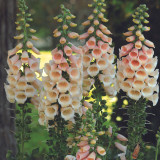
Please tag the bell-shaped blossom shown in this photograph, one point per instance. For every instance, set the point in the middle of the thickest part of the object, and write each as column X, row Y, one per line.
column 98, row 56
column 67, row 113
column 51, row 111
column 136, row 70
column 137, row 74
column 101, row 150
column 121, row 147
column 82, row 155
column 70, row 157
column 63, row 84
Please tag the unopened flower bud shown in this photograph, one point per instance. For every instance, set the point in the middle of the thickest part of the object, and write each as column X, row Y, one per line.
column 35, row 38
column 94, row 131
column 93, row 142
column 90, row 5
column 32, row 30
column 146, row 21
column 140, row 26
column 103, row 10
column 60, row 20
column 55, row 18
column 18, row 28
column 100, row 15
column 147, row 28
column 104, row 20
column 138, row 33
column 19, row 46
column 29, row 44
column 73, row 16
column 146, row 14
column 68, row 17
column 101, row 133
column 19, row 36
column 62, row 40
column 73, row 24
column 88, row 134
column 27, row 25
column 96, row 22
column 65, row 27
column 95, row 11
column 86, row 23
column 141, row 38
column 90, row 17
column 131, row 28
column 136, row 21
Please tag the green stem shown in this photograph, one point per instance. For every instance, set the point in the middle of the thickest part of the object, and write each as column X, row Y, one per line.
column 22, row 135
column 136, row 126
column 157, row 149
column 25, row 29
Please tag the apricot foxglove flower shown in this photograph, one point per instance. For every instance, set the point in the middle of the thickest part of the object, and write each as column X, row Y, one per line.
column 98, row 50
column 138, row 64
column 137, row 77
column 23, row 66
column 22, row 85
column 62, row 85
column 70, row 157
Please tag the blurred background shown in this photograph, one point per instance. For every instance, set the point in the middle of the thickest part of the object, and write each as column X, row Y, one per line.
column 119, row 15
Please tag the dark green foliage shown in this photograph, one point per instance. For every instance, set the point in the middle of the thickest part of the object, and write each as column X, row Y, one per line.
column 157, row 149
column 99, row 104
column 136, row 126
column 23, row 130
column 57, row 139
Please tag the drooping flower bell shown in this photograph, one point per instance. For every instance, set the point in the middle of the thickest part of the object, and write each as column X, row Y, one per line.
column 99, row 55
column 63, row 83
column 22, row 81
column 137, row 74
column 87, row 138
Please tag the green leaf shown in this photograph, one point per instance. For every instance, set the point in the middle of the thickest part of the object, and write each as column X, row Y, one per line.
column 35, row 151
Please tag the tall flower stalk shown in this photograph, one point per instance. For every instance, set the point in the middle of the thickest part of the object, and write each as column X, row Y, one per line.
column 22, row 84
column 90, row 143
column 98, row 61
column 62, row 93
column 95, row 139
column 138, row 78
column 158, row 145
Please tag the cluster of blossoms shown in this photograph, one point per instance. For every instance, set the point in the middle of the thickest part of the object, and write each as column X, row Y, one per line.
column 62, row 92
column 61, row 96
column 136, row 68
column 88, row 139
column 98, row 56
column 22, row 81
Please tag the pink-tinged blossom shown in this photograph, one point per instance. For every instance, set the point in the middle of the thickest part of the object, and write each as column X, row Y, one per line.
column 92, row 156
column 136, row 65
column 90, row 30
column 73, row 35
column 149, row 43
column 62, row 84
column 81, row 155
column 24, row 57
column 82, row 143
column 35, row 50
column 83, row 36
column 68, row 50
column 88, row 105
column 14, row 59
column 91, row 43
column 57, row 57
column 121, row 137
column 101, row 150
column 121, row 147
